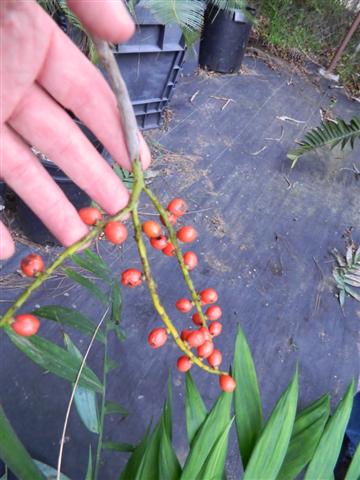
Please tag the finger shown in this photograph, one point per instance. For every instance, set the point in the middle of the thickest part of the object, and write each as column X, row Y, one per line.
column 77, row 85
column 24, row 174
column 108, row 19
column 43, row 123
column 7, row 246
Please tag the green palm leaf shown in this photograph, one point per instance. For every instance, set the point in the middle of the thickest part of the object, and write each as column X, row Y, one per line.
column 330, row 134
column 188, row 14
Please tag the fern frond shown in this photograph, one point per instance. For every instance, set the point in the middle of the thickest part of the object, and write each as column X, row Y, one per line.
column 327, row 134
column 347, row 273
column 228, row 4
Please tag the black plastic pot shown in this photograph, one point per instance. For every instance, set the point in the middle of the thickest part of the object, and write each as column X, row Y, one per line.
column 224, row 38
column 30, row 224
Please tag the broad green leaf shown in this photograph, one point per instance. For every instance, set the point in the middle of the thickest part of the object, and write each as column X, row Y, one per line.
column 195, row 410
column 327, row 452
column 169, row 466
column 207, row 435
column 215, row 463
column 69, row 317
column 94, row 267
column 118, row 447
column 353, row 472
column 116, row 302
column 54, row 359
column 167, row 411
column 49, row 472
column 115, row 408
column 308, row 428
column 89, row 470
column 14, row 454
column 134, row 461
column 270, row 450
column 247, row 402
column 88, row 284
column 96, row 260
column 85, row 399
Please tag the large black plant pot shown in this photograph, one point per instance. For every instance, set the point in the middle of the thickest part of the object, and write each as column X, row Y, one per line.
column 29, row 223
column 224, row 38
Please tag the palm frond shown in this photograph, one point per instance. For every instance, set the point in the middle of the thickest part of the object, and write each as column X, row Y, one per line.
column 188, row 14
column 329, row 133
column 347, row 273
column 229, row 4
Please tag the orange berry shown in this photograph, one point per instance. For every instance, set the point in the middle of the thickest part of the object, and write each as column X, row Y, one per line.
column 159, row 243
column 177, row 207
column 185, row 334
column 171, row 217
column 215, row 328
column 131, row 277
column 190, row 260
column 184, row 305
column 205, row 332
column 197, row 319
column 186, row 234
column 26, row 325
column 214, row 312
column 183, row 363
column 227, row 383
column 169, row 250
column 116, row 232
column 32, row 264
column 195, row 339
column 151, row 229
column 215, row 358
column 157, row 337
column 206, row 349
column 90, row 215
column 209, row 295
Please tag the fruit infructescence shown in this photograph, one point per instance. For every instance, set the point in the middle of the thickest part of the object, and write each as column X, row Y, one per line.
column 197, row 343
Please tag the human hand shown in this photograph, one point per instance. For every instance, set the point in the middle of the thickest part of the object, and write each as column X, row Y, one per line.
column 41, row 72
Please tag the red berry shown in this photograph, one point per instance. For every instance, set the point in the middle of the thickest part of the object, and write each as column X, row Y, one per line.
column 151, row 229
column 227, row 383
column 184, row 305
column 186, row 234
column 90, row 215
column 215, row 359
column 169, row 250
column 206, row 349
column 32, row 264
column 26, row 325
column 159, row 243
column 205, row 332
column 197, row 319
column 214, row 312
column 215, row 328
column 190, row 260
column 195, row 339
column 116, row 232
column 183, row 363
column 209, row 295
column 157, row 337
column 171, row 217
column 177, row 206
column 185, row 334
column 131, row 277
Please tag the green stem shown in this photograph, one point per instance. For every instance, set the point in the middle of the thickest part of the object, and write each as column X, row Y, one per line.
column 174, row 241
column 156, row 300
column 138, row 186
column 102, row 408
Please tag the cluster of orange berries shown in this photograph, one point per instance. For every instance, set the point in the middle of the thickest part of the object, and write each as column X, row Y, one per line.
column 116, row 232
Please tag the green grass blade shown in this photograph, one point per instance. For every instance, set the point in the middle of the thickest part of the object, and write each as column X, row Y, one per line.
column 327, row 452
column 353, row 472
column 195, row 410
column 133, row 464
column 215, row 463
column 116, row 302
column 308, row 428
column 169, row 466
column 85, row 399
column 54, row 359
column 14, row 454
column 247, row 402
column 270, row 450
column 207, row 435
column 89, row 469
column 69, row 317
column 118, row 447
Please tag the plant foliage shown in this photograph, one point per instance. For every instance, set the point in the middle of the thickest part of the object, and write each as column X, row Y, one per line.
column 329, row 133
column 347, row 273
